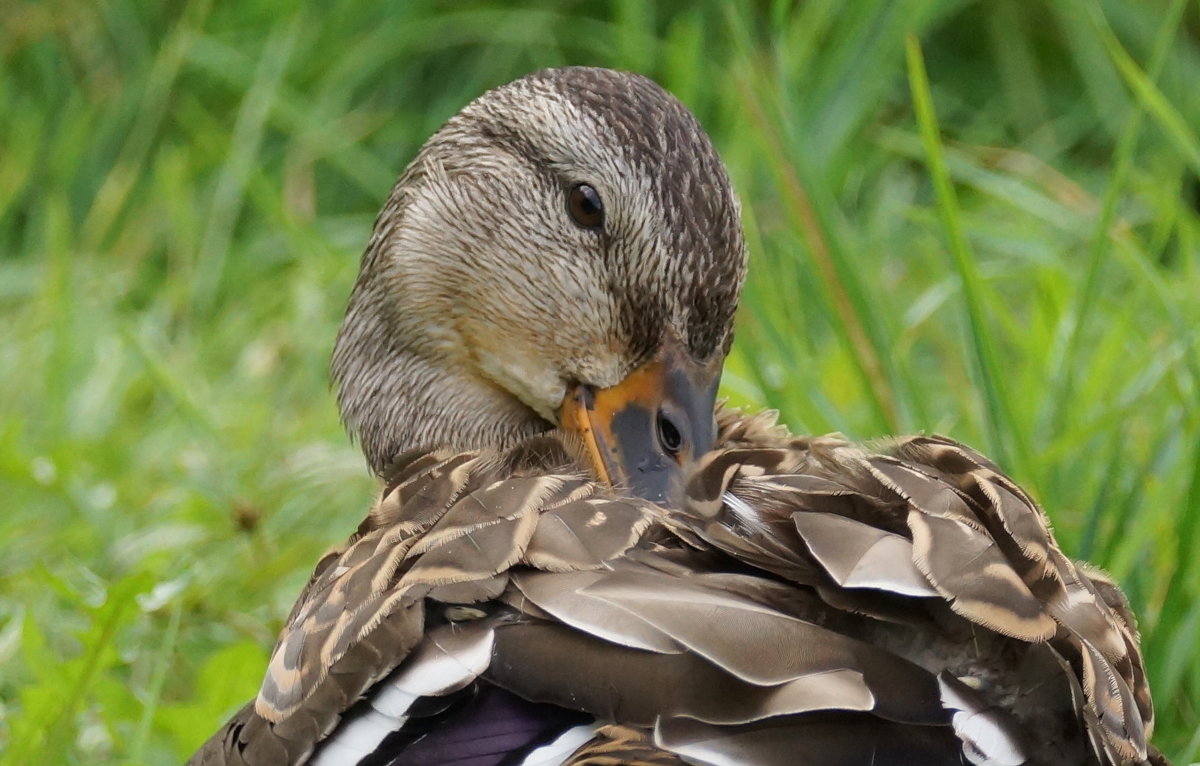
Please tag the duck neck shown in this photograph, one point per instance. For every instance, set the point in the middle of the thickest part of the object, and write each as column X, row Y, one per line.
column 398, row 392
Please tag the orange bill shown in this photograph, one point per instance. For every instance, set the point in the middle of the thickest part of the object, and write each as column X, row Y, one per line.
column 643, row 433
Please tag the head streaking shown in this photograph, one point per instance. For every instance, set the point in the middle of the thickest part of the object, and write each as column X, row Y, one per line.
column 482, row 299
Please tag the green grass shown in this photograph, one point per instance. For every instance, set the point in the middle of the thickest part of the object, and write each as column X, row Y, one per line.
column 977, row 218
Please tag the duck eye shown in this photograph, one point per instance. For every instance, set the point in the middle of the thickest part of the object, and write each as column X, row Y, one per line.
column 584, row 205
column 668, row 435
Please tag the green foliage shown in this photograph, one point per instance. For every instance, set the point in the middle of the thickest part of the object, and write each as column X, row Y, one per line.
column 977, row 218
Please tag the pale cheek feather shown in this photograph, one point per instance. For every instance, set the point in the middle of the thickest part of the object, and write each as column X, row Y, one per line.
column 525, row 376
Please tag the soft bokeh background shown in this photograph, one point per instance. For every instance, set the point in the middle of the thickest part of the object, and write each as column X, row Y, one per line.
column 185, row 189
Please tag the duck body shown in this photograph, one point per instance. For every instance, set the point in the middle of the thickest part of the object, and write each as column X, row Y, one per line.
column 578, row 558
column 809, row 601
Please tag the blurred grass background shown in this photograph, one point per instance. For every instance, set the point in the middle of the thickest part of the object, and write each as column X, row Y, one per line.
column 977, row 218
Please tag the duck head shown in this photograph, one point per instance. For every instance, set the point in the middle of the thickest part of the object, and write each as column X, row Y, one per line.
column 564, row 252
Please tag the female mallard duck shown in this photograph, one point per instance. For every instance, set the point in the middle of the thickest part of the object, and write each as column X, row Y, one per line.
column 574, row 561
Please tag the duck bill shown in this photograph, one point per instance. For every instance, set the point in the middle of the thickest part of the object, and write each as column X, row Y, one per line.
column 643, row 433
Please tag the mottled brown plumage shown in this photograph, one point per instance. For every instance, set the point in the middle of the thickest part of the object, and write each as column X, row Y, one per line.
column 789, row 599
column 797, row 600
column 617, row 745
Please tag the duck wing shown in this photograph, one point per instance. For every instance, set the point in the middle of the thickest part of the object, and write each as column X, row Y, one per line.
column 809, row 602
column 924, row 547
column 444, row 535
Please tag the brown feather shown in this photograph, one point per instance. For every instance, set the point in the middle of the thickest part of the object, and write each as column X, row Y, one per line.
column 621, row 746
column 640, row 616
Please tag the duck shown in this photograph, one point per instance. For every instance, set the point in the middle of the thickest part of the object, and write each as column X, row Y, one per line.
column 579, row 556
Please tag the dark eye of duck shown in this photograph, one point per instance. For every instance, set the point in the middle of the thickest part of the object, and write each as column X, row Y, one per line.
column 668, row 435
column 584, row 205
